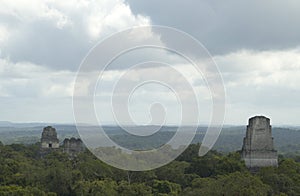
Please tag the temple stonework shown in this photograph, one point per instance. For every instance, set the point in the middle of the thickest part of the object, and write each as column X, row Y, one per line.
column 73, row 146
column 50, row 142
column 49, row 138
column 258, row 148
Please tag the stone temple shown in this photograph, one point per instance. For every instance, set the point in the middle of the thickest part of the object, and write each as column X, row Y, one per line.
column 258, row 148
column 49, row 138
column 73, row 146
column 50, row 142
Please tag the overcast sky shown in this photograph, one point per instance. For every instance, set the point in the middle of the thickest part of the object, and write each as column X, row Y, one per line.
column 256, row 45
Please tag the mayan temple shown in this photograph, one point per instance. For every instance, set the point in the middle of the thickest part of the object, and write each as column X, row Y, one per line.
column 258, row 148
column 73, row 146
column 49, row 138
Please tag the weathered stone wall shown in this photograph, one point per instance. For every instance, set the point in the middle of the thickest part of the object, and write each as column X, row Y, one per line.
column 49, row 138
column 73, row 146
column 258, row 148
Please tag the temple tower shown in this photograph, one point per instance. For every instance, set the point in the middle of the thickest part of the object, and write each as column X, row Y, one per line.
column 49, row 138
column 258, row 148
column 73, row 146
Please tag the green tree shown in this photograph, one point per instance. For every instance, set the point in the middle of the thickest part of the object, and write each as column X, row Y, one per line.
column 94, row 169
column 97, row 187
column 161, row 187
column 138, row 189
column 232, row 184
column 14, row 190
column 190, row 153
column 174, row 172
column 284, row 179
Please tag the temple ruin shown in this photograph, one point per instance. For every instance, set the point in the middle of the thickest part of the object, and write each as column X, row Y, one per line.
column 49, row 138
column 73, row 146
column 50, row 142
column 258, row 148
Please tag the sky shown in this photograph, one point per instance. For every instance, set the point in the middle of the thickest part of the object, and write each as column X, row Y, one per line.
column 255, row 44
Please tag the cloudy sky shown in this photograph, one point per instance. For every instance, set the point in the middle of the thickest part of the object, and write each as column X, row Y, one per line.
column 256, row 45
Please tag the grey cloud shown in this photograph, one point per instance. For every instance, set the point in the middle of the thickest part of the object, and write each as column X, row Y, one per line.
column 59, row 35
column 226, row 26
column 264, row 96
column 222, row 26
column 44, row 44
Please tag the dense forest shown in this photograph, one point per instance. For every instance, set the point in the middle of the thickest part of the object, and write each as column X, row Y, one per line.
column 24, row 172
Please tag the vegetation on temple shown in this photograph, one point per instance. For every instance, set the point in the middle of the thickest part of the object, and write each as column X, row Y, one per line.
column 23, row 172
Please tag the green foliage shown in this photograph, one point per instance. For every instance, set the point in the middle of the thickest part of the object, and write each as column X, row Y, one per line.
column 97, row 187
column 214, row 164
column 24, row 172
column 165, row 187
column 190, row 153
column 232, row 184
column 14, row 190
column 176, row 172
column 140, row 177
column 284, row 179
column 135, row 189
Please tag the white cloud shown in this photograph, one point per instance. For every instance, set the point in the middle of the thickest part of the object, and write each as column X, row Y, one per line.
column 41, row 32
column 4, row 34
column 119, row 17
column 26, row 12
column 262, row 83
column 59, row 34
column 181, row 78
column 261, row 68
column 25, row 79
column 41, row 41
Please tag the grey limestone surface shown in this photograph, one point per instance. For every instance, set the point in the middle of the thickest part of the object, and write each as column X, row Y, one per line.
column 258, row 146
column 49, row 138
column 73, row 146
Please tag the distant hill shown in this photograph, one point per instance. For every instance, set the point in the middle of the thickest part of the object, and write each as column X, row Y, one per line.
column 5, row 124
column 286, row 139
column 20, row 125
